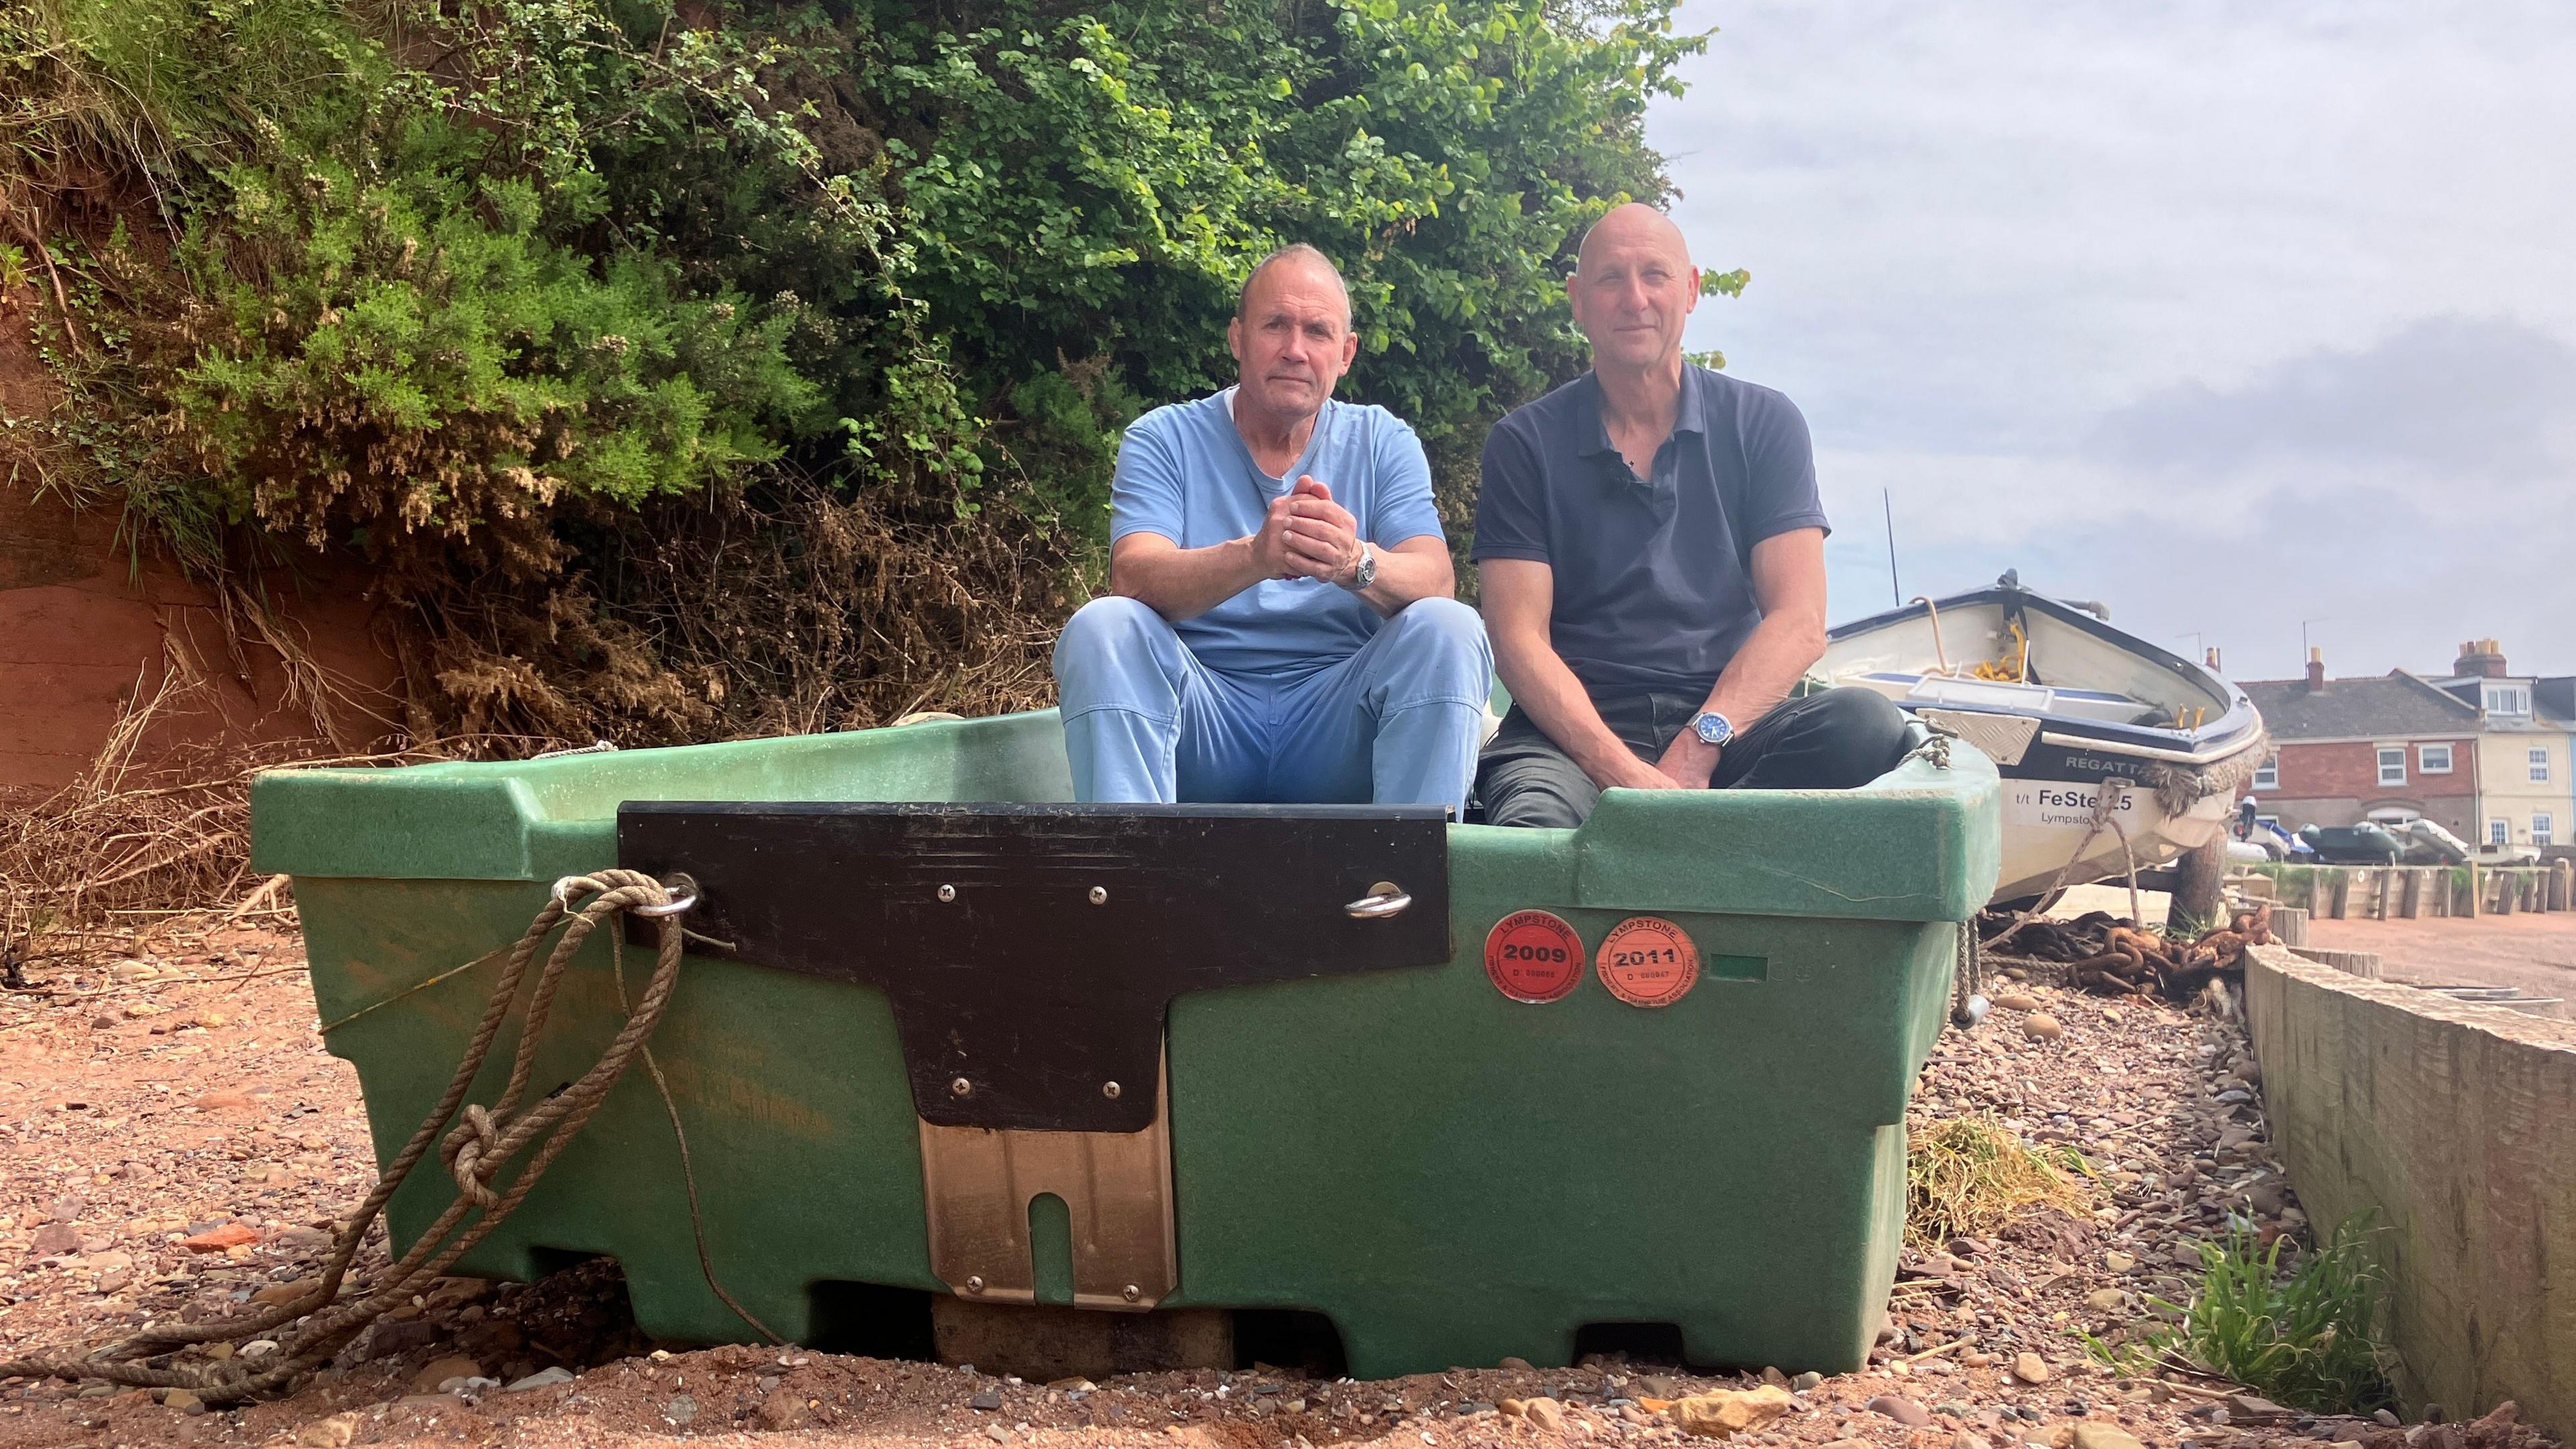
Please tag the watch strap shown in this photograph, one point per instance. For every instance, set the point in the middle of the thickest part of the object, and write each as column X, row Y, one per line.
column 1364, row 573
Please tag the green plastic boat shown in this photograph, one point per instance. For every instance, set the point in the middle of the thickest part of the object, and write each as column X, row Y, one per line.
column 1454, row 1092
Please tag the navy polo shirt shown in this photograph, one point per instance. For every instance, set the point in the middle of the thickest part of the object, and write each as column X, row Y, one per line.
column 1653, row 576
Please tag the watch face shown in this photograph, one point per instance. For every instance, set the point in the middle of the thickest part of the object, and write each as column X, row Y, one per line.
column 1713, row 728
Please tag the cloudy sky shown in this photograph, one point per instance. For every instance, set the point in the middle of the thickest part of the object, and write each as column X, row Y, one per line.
column 2229, row 316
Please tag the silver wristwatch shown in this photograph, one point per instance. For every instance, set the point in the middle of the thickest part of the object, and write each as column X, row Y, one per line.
column 1366, row 573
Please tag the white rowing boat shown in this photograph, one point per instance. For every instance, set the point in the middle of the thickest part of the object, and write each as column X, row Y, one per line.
column 2113, row 751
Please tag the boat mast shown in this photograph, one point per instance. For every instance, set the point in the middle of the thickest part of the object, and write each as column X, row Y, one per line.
column 1889, row 509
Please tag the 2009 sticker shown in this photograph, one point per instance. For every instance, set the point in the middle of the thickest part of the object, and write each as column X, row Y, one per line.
column 1648, row 961
column 1533, row 956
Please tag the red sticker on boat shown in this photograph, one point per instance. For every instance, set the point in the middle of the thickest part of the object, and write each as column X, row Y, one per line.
column 1533, row 956
column 1648, row 961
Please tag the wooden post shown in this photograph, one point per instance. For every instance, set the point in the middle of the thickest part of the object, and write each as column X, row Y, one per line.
column 2200, row 883
column 2338, row 885
column 2364, row 964
column 2477, row 891
column 2290, row 925
column 2410, row 895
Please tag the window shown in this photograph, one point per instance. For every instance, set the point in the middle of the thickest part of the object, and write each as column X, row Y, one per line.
column 2267, row 775
column 2496, row 833
column 2392, row 764
column 2540, row 763
column 2508, row 699
column 2544, row 830
column 2433, row 759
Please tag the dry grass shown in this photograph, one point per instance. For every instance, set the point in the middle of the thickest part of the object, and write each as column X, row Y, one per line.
column 789, row 610
column 1969, row 1176
column 132, row 830
column 153, row 831
column 815, row 614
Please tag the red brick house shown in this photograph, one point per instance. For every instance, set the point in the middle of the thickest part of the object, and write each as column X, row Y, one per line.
column 2386, row 748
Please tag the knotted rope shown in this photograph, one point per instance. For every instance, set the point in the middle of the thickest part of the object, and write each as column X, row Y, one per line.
column 2114, row 790
column 475, row 1151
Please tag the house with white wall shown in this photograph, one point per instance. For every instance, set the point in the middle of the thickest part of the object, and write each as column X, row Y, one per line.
column 2526, row 747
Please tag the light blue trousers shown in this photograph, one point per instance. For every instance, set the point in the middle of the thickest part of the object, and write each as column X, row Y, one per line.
column 1396, row 723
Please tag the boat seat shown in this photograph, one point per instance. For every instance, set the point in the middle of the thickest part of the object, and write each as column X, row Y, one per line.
column 1939, row 691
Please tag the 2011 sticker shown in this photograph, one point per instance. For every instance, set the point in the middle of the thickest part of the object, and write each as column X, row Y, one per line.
column 1533, row 956
column 1648, row 961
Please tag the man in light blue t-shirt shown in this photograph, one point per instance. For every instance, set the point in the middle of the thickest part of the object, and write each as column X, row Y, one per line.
column 1280, row 626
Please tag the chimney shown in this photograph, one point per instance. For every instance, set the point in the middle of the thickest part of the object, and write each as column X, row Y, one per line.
column 2316, row 671
column 2212, row 661
column 2481, row 657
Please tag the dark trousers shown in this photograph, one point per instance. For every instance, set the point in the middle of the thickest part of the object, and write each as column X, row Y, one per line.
column 1829, row 741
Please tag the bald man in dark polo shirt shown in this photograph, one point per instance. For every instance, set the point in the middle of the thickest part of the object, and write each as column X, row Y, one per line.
column 1653, row 557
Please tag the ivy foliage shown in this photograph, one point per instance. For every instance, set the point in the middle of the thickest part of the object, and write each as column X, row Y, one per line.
column 475, row 287
column 1140, row 157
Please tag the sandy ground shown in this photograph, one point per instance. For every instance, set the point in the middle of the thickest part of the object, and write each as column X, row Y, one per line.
column 2533, row 952
column 182, row 1092
column 2112, row 897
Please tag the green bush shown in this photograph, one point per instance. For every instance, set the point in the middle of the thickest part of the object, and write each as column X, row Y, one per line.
column 501, row 293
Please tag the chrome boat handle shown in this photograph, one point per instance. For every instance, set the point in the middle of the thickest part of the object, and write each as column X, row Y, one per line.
column 1385, row 898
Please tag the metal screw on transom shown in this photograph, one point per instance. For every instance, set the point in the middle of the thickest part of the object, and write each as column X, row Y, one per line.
column 1110, row 1090
column 1100, row 895
column 975, row 1284
column 1131, row 1292
column 960, row 1087
column 948, row 893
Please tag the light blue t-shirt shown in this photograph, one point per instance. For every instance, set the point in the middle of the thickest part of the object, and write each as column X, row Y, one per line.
column 1184, row 473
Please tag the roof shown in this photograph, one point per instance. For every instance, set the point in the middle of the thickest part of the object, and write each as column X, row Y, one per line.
column 2555, row 698
column 2396, row 704
column 2552, row 705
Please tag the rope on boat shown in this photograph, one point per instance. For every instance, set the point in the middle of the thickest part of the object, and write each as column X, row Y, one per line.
column 474, row 1150
column 2177, row 788
column 2002, row 671
column 2114, row 789
column 1968, row 979
column 2015, row 668
column 2180, row 787
column 1967, row 976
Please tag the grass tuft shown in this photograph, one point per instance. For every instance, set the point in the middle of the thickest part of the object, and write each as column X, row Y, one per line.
column 2307, row 1338
column 1969, row 1176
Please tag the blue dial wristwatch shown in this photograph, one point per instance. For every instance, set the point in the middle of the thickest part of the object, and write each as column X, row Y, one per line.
column 1712, row 728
